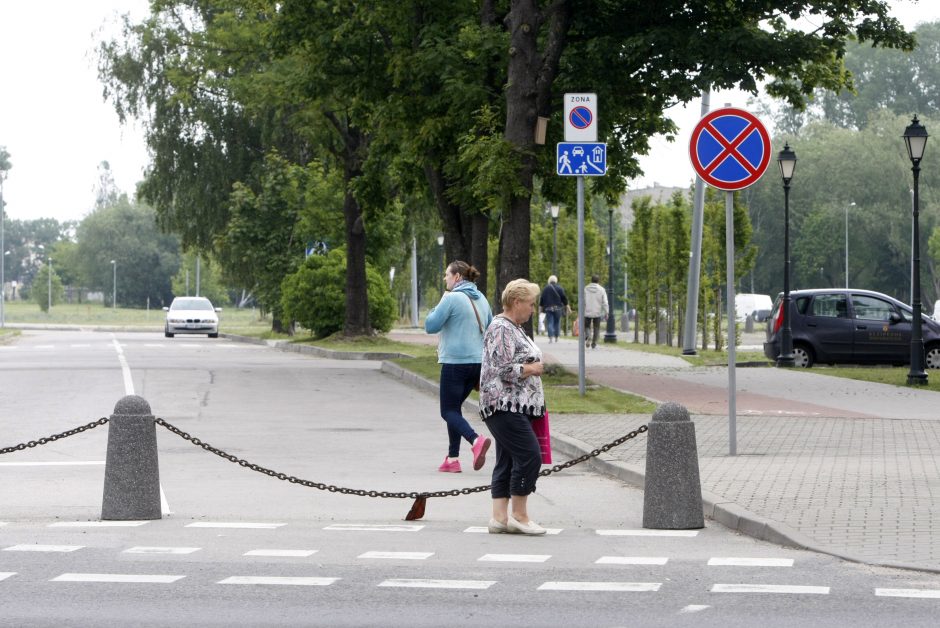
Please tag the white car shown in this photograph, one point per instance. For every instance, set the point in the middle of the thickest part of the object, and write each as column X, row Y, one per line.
column 191, row 315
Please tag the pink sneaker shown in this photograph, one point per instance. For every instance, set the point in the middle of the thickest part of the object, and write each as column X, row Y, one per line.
column 449, row 467
column 479, row 448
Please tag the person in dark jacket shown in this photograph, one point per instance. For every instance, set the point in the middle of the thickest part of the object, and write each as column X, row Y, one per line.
column 554, row 302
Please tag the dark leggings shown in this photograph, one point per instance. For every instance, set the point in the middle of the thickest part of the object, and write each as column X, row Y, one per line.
column 518, row 457
column 457, row 380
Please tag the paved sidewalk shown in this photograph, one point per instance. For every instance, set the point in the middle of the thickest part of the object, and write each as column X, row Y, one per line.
column 842, row 467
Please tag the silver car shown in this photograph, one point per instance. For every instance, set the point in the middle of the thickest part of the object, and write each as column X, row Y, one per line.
column 191, row 315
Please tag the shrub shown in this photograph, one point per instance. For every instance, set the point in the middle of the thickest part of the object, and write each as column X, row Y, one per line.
column 315, row 295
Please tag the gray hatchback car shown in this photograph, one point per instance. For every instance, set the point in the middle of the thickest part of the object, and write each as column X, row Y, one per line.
column 835, row 326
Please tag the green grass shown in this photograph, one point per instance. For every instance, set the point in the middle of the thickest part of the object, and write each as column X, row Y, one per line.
column 232, row 320
column 561, row 390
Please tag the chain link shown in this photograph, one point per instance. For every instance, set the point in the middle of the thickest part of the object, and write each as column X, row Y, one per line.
column 384, row 494
column 54, row 437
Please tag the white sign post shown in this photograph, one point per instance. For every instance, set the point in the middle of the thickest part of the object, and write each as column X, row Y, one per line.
column 580, row 117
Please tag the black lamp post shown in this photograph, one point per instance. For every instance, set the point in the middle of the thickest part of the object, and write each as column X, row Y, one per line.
column 787, row 161
column 554, row 209
column 611, row 335
column 915, row 136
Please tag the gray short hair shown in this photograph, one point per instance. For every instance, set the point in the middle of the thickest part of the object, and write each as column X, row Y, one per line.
column 517, row 290
column 552, row 279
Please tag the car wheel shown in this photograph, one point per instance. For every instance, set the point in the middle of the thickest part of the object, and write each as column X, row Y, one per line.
column 802, row 356
column 166, row 332
column 215, row 335
column 932, row 357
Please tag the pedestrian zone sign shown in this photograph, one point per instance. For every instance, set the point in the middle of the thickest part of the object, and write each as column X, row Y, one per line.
column 581, row 159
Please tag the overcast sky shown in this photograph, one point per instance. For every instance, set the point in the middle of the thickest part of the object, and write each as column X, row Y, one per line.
column 57, row 127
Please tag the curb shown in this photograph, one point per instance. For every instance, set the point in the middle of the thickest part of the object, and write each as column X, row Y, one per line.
column 320, row 352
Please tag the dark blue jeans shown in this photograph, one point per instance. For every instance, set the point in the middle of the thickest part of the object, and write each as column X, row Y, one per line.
column 457, row 380
column 552, row 320
column 518, row 456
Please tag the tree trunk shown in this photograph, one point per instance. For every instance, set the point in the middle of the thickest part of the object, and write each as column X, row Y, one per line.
column 530, row 76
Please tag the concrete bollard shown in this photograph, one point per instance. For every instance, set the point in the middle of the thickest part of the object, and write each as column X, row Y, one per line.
column 673, row 496
column 749, row 324
column 132, row 472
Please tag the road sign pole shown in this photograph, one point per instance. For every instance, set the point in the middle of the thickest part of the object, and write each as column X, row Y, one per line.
column 695, row 257
column 581, row 329
column 732, row 323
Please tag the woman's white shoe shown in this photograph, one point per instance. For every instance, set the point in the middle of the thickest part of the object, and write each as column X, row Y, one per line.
column 531, row 528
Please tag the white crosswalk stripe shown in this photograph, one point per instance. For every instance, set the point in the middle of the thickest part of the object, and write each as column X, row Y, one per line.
column 97, row 524
column 420, row 583
column 118, row 578
column 913, row 593
column 769, row 588
column 43, row 548
column 601, row 586
column 6, row 574
column 308, row 581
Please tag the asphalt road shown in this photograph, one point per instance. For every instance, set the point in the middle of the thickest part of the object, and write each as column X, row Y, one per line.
column 239, row 548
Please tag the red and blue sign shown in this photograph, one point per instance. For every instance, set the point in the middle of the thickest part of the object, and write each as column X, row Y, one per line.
column 730, row 149
column 580, row 117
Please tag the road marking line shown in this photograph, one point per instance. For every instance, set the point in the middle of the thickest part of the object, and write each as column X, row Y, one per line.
column 917, row 593
column 161, row 550
column 97, row 524
column 282, row 580
column 116, row 577
column 44, row 347
column 398, row 555
column 63, row 463
column 6, row 574
column 235, row 525
column 190, row 346
column 695, row 608
column 369, row 527
column 3, row 523
column 684, row 533
column 631, row 560
column 43, row 548
column 514, row 558
column 601, row 586
column 485, row 530
column 80, row 346
column 750, row 562
column 125, row 369
column 281, row 553
column 768, row 588
column 437, row 584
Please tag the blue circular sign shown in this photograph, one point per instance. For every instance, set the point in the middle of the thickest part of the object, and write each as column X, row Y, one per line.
column 580, row 117
column 730, row 149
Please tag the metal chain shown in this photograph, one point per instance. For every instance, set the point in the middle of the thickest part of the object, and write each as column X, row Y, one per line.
column 394, row 495
column 54, row 437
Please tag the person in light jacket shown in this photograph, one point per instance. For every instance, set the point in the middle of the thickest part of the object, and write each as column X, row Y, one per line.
column 595, row 308
column 460, row 318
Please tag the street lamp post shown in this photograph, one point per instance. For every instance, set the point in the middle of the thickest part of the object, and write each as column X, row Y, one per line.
column 787, row 161
column 3, row 258
column 915, row 137
column 49, row 286
column 554, row 209
column 611, row 335
column 114, row 285
column 847, row 244
column 440, row 243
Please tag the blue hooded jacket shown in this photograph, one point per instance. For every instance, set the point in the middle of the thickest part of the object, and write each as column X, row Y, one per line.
column 461, row 341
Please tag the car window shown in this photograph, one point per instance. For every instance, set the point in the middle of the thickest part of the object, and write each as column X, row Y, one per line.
column 871, row 308
column 830, row 305
column 802, row 304
column 190, row 304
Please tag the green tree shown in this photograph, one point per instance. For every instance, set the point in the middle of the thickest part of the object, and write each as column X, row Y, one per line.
column 210, row 282
column 145, row 259
column 40, row 289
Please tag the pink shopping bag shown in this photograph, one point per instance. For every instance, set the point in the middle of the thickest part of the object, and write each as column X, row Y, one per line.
column 540, row 427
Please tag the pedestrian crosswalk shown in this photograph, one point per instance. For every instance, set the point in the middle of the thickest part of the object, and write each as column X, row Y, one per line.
column 110, row 346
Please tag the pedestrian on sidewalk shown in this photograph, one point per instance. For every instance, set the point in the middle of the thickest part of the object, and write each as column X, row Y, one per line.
column 554, row 302
column 460, row 318
column 595, row 309
column 511, row 396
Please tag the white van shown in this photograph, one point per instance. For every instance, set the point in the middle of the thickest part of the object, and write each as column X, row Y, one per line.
column 759, row 305
column 936, row 310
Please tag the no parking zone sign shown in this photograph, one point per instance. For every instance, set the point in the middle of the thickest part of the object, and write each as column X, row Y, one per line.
column 580, row 117
column 730, row 149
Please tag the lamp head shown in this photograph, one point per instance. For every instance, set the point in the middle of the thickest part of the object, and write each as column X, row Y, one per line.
column 554, row 209
column 787, row 161
column 915, row 137
column 440, row 240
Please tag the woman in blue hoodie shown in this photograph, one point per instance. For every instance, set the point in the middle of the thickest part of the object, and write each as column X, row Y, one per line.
column 460, row 318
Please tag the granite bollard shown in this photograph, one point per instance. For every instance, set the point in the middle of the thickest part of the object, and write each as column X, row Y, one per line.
column 672, row 499
column 132, row 472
